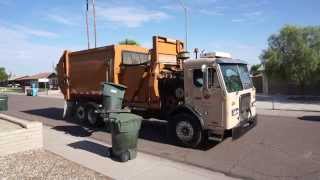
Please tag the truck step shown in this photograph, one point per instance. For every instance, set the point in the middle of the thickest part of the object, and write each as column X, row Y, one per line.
column 214, row 138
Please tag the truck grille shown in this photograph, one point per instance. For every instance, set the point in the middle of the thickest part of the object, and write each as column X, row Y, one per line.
column 244, row 107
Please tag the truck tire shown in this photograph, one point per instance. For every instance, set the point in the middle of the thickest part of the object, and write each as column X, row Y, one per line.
column 92, row 117
column 186, row 130
column 80, row 112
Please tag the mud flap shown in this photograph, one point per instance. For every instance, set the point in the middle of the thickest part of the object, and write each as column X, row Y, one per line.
column 67, row 109
column 244, row 127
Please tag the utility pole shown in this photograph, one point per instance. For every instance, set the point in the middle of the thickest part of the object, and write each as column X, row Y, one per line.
column 186, row 22
column 94, row 23
column 87, row 24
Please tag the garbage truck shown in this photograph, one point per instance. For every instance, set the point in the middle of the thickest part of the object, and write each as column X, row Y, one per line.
column 201, row 98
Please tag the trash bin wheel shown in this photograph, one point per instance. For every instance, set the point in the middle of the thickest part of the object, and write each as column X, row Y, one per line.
column 80, row 112
column 124, row 157
column 186, row 130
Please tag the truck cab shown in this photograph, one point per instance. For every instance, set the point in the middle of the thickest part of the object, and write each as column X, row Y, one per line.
column 219, row 96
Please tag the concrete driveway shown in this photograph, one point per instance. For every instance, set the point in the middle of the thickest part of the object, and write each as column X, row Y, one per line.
column 280, row 147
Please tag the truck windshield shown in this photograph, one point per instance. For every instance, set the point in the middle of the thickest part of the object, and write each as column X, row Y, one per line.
column 236, row 77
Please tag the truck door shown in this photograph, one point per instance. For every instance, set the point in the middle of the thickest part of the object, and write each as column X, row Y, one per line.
column 134, row 75
column 208, row 102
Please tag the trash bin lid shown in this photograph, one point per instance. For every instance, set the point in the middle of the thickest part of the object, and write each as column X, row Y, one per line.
column 120, row 86
column 124, row 117
column 113, row 90
column 126, row 122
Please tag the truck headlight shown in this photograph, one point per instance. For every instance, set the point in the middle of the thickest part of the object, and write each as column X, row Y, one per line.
column 235, row 112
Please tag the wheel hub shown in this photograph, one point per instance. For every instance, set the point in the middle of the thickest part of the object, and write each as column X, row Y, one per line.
column 185, row 131
column 80, row 112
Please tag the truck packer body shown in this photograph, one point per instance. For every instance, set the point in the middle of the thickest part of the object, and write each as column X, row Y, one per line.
column 200, row 98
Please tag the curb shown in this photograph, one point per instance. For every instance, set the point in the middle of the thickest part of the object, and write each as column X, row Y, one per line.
column 294, row 110
column 23, row 123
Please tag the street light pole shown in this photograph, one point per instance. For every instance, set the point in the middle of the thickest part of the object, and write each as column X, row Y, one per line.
column 87, row 24
column 94, row 23
column 186, row 22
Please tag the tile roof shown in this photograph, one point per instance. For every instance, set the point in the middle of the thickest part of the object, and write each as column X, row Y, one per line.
column 37, row 76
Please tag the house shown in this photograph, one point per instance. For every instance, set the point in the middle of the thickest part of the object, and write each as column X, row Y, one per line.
column 279, row 85
column 42, row 80
column 13, row 81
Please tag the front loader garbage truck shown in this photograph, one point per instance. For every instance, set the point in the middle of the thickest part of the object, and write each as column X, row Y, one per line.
column 200, row 98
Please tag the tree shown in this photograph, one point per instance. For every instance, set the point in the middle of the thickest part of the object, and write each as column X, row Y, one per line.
column 254, row 69
column 294, row 55
column 3, row 75
column 129, row 42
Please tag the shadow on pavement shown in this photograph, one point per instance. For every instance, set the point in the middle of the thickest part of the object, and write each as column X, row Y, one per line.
column 310, row 118
column 52, row 113
column 263, row 98
column 92, row 147
column 77, row 131
column 151, row 130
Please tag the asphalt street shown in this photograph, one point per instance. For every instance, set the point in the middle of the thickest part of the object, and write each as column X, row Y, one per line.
column 285, row 146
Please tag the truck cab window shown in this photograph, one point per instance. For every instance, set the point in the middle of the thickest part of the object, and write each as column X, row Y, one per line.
column 134, row 58
column 198, row 78
column 211, row 74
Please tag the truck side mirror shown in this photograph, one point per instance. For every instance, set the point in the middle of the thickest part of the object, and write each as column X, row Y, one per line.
column 205, row 72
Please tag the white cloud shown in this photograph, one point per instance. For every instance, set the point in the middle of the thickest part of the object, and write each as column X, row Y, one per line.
column 21, row 56
column 238, row 20
column 253, row 17
column 253, row 14
column 129, row 16
column 211, row 12
column 5, row 2
column 35, row 32
column 254, row 4
column 172, row 7
column 238, row 50
column 61, row 19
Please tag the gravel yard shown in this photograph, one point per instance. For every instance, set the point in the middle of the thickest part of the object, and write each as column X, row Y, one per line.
column 42, row 164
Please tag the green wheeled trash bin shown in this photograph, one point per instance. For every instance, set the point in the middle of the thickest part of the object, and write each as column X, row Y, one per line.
column 113, row 95
column 125, row 132
column 3, row 102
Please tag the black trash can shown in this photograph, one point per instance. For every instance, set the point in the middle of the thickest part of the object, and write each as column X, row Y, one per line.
column 113, row 95
column 3, row 102
column 125, row 132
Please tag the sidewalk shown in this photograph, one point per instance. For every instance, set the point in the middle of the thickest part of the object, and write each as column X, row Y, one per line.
column 51, row 94
column 93, row 155
column 57, row 95
column 286, row 103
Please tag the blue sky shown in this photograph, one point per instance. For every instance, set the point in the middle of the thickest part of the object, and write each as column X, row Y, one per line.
column 33, row 34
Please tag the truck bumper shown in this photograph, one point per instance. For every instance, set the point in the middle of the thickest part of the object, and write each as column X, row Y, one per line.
column 243, row 127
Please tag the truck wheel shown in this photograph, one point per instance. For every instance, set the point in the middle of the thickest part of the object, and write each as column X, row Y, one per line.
column 92, row 117
column 80, row 113
column 187, row 130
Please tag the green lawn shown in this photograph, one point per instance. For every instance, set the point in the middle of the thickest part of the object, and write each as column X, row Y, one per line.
column 10, row 89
